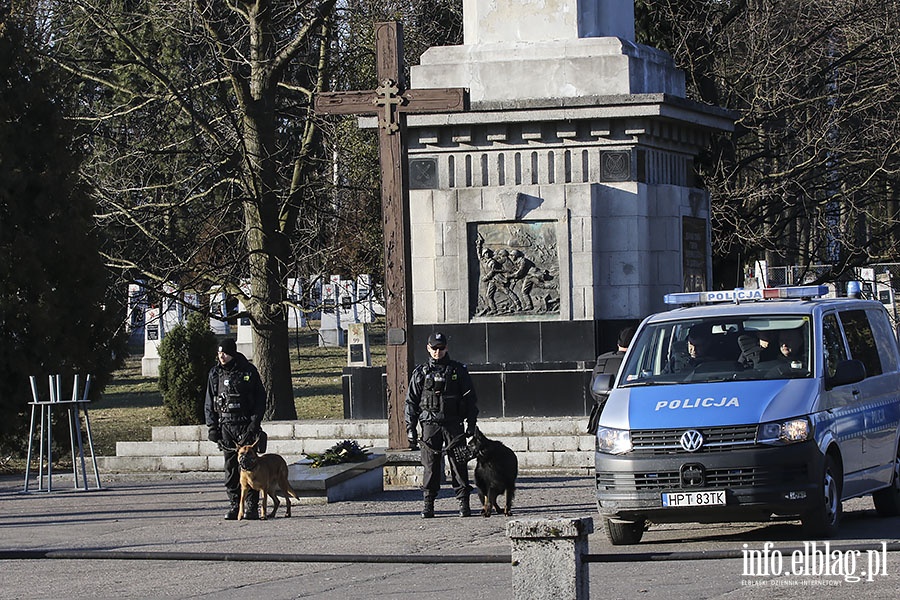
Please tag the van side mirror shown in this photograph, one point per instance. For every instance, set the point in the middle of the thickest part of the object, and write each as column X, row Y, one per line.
column 847, row 372
column 601, row 384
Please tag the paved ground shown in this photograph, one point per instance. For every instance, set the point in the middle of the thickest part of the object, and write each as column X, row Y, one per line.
column 179, row 517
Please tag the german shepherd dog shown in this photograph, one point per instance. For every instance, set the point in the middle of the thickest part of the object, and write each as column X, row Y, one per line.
column 496, row 469
column 264, row 473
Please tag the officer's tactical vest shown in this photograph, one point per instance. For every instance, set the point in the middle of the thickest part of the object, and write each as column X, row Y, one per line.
column 441, row 394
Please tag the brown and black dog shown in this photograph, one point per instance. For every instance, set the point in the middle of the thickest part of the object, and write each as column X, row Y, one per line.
column 496, row 471
column 264, row 473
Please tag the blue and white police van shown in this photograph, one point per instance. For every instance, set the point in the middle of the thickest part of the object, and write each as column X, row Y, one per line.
column 749, row 405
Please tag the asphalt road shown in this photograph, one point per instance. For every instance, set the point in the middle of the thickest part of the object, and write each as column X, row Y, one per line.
column 180, row 520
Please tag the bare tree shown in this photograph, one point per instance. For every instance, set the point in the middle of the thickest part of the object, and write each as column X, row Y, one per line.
column 202, row 144
column 810, row 173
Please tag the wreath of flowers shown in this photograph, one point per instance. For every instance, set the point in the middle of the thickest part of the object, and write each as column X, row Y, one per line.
column 342, row 452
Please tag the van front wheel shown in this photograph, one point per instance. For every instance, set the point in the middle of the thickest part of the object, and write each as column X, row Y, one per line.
column 624, row 533
column 887, row 501
column 825, row 519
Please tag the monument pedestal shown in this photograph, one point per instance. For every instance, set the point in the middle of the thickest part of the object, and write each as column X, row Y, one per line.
column 562, row 206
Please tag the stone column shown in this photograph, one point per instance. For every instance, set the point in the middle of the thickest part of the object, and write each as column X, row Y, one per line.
column 547, row 558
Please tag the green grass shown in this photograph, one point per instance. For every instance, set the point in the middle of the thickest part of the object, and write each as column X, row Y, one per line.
column 131, row 405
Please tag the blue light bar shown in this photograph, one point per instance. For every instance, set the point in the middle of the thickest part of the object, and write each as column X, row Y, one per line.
column 742, row 295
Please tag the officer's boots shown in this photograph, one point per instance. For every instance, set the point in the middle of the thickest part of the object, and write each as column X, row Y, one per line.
column 464, row 509
column 233, row 507
column 251, row 509
column 428, row 507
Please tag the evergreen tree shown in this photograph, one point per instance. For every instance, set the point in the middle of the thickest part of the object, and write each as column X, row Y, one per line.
column 54, row 315
column 186, row 355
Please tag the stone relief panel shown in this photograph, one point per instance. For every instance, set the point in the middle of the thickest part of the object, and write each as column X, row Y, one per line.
column 514, row 268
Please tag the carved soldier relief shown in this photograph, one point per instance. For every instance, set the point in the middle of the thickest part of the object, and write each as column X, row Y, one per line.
column 514, row 268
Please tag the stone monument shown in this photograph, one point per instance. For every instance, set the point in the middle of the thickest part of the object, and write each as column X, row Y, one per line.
column 562, row 206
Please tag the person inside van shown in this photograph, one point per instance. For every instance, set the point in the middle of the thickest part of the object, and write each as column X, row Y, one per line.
column 790, row 344
column 699, row 346
column 766, row 342
column 751, row 348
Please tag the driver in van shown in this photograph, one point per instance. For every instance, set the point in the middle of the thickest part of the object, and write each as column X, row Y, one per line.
column 698, row 348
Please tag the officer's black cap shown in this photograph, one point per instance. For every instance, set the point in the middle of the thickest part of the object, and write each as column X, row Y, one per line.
column 228, row 347
column 437, row 340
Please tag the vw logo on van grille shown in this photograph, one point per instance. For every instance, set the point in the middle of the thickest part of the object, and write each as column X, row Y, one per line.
column 691, row 440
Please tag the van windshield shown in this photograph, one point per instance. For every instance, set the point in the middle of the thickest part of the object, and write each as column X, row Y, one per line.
column 717, row 349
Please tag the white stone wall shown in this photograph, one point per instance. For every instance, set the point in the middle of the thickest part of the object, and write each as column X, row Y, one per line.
column 619, row 246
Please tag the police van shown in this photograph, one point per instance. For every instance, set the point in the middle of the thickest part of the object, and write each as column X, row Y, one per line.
column 749, row 405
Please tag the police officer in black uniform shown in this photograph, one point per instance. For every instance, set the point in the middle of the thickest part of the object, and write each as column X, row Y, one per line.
column 440, row 396
column 235, row 404
column 608, row 362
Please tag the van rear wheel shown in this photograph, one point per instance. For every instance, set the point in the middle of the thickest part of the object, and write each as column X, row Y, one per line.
column 825, row 519
column 624, row 533
column 887, row 501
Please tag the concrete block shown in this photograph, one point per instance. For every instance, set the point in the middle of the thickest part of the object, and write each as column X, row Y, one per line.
column 163, row 434
column 190, row 433
column 549, row 426
column 421, row 207
column 183, row 463
column 557, row 443
column 279, row 429
column 446, row 206
column 207, row 448
column 498, row 427
column 336, row 483
column 403, row 476
column 547, row 557
column 516, row 444
column 284, row 447
column 534, row 460
column 425, row 308
column 157, row 448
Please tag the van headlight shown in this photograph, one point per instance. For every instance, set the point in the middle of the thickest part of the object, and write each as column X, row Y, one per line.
column 784, row 432
column 613, row 441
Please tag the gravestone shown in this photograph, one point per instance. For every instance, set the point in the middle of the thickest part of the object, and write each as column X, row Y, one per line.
column 364, row 299
column 153, row 335
column 218, row 310
column 346, row 292
column 358, row 353
column 315, row 297
column 244, row 338
column 296, row 317
column 137, row 306
column 330, row 332
column 562, row 206
column 172, row 309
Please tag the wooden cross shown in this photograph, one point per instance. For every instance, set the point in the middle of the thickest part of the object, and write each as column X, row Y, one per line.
column 390, row 101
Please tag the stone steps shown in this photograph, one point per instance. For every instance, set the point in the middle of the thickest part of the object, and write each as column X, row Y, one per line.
column 541, row 444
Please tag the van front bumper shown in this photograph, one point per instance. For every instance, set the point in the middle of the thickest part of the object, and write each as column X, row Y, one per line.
column 758, row 483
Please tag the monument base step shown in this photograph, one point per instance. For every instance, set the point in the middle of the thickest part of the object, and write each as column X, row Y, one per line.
column 336, row 483
column 542, row 445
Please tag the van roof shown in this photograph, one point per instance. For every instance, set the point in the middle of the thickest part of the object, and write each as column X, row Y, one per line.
column 764, row 307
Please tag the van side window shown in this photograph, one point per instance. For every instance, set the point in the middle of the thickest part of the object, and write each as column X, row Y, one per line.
column 884, row 340
column 833, row 344
column 861, row 340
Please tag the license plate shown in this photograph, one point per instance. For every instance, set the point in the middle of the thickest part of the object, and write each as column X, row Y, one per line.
column 675, row 499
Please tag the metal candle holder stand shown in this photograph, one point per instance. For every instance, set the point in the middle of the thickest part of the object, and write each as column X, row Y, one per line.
column 46, row 433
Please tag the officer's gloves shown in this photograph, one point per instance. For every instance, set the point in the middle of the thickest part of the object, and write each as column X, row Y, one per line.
column 413, row 439
column 470, row 429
